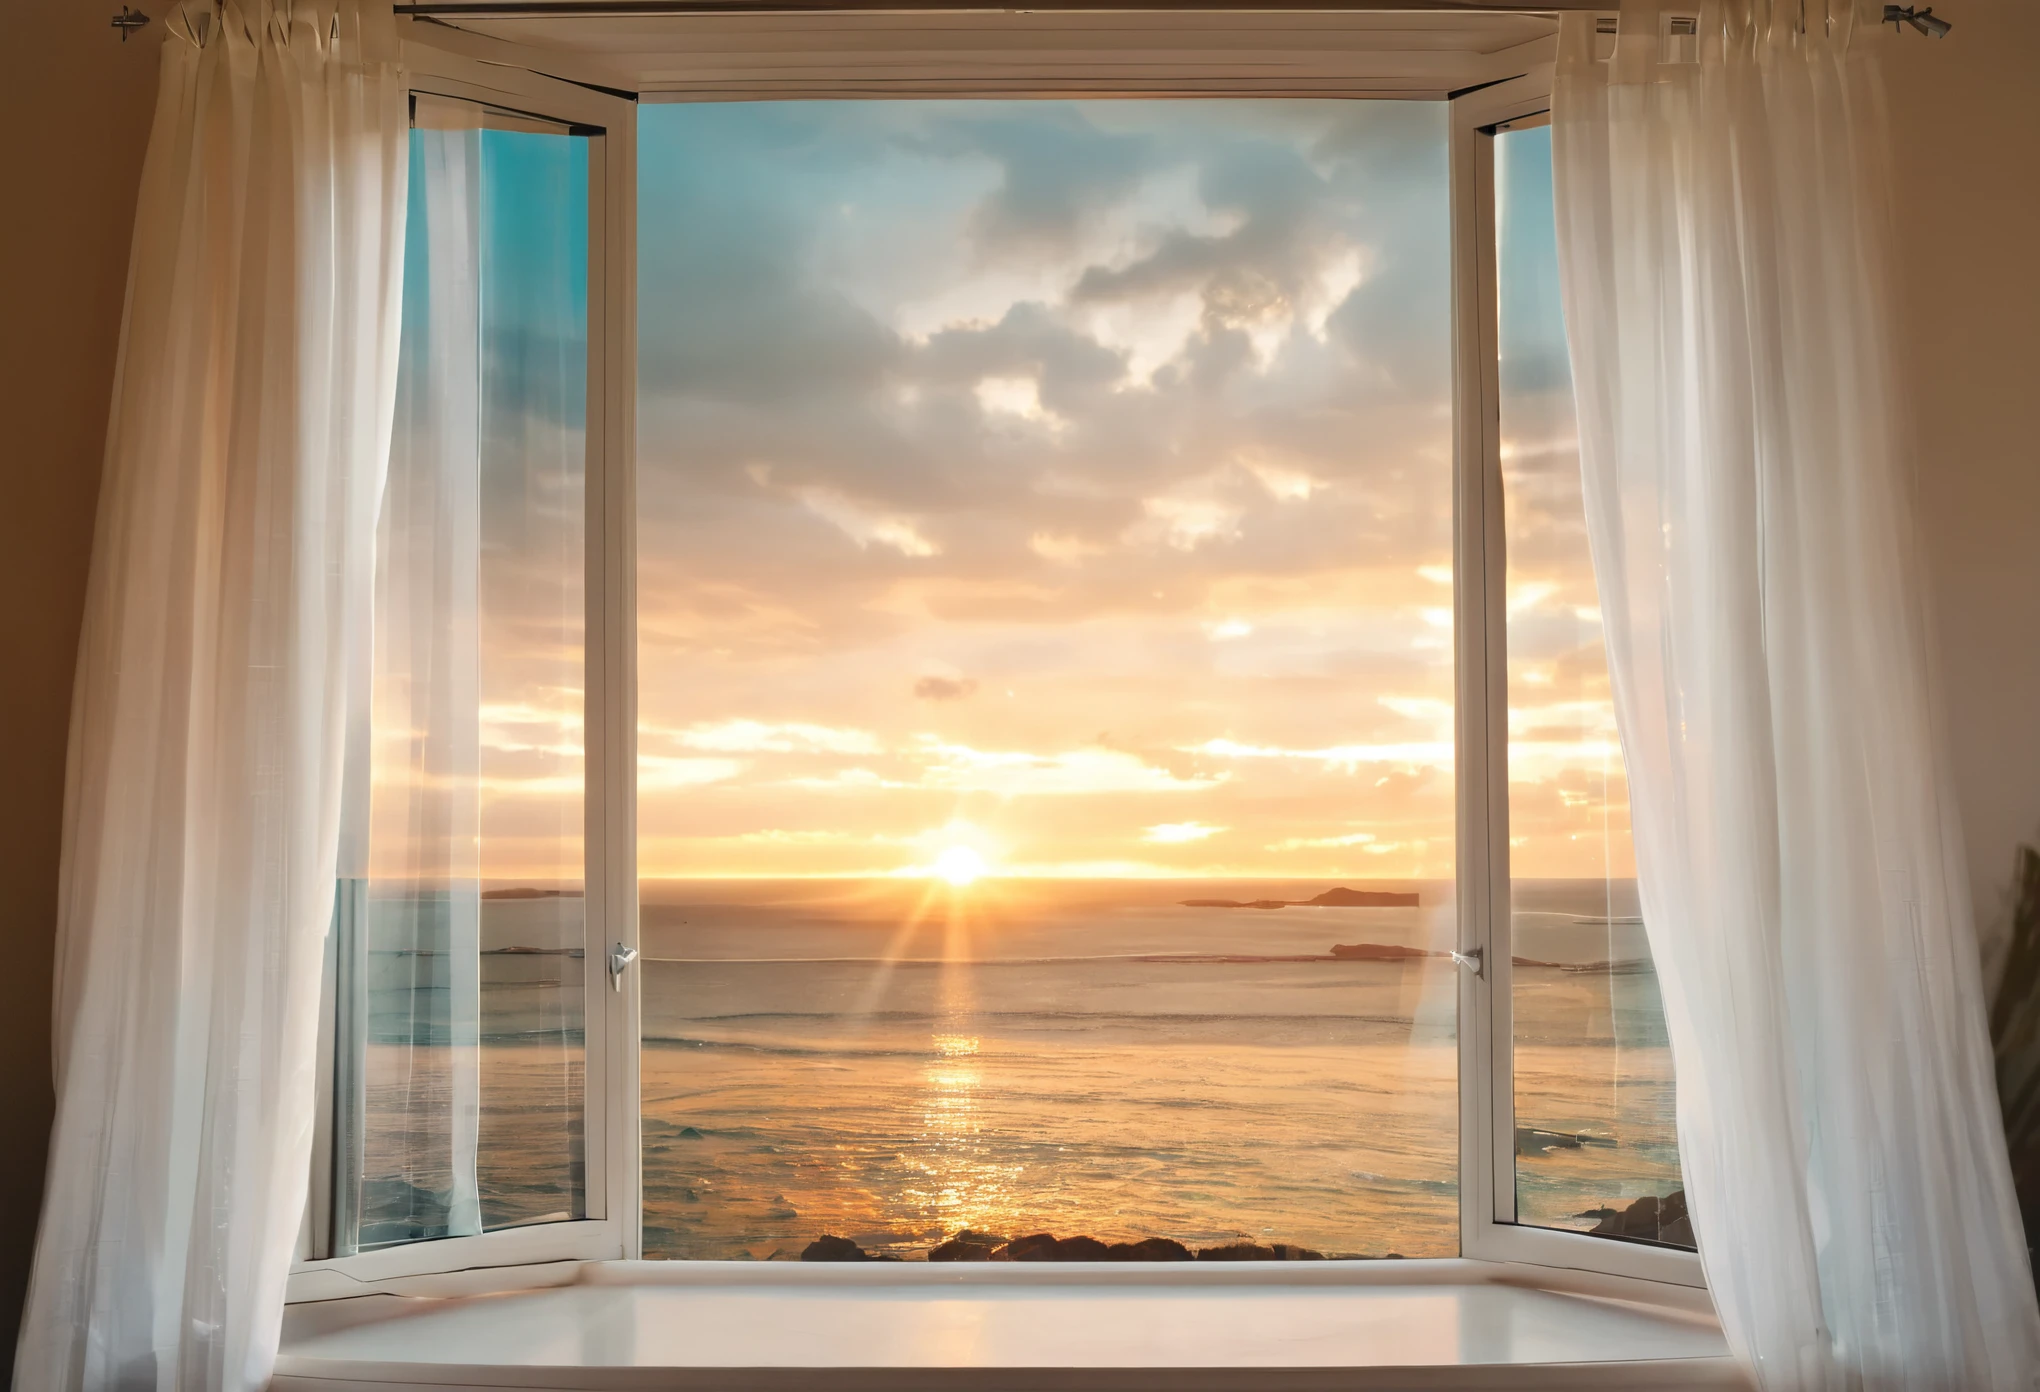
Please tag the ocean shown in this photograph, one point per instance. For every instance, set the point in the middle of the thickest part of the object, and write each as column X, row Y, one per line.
column 891, row 1063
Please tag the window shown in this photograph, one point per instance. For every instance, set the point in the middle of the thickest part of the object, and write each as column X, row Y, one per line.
column 1045, row 706
column 471, row 1025
column 1074, row 618
column 464, row 941
column 1595, row 1142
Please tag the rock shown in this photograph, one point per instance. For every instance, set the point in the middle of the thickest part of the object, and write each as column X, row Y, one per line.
column 1640, row 1219
column 1380, row 952
column 1340, row 898
column 1531, row 1141
column 1650, row 1219
column 1254, row 1251
column 968, row 1246
column 1034, row 1247
column 1044, row 1247
column 1237, row 1251
column 1343, row 898
column 834, row 1249
column 956, row 1250
column 1150, row 1249
column 688, row 1133
column 1041, row 1247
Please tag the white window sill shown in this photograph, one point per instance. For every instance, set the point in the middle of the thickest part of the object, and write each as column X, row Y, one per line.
column 1415, row 1324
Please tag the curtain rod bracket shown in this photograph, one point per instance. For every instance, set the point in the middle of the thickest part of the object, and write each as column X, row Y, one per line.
column 128, row 21
column 1923, row 19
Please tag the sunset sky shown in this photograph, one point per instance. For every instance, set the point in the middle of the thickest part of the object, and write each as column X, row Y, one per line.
column 1071, row 483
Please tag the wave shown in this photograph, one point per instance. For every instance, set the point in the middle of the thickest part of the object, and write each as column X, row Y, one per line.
column 1158, row 958
column 1568, row 915
column 1427, row 1186
column 941, row 1018
column 681, row 1041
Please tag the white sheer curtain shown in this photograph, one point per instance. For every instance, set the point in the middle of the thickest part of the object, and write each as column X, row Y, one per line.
column 424, row 848
column 250, row 424
column 1722, row 217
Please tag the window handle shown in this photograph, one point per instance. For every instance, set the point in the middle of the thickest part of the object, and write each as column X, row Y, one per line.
column 620, row 957
column 1474, row 959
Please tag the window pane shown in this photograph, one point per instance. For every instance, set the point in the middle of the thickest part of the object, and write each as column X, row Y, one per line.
column 1045, row 532
column 1595, row 1143
column 460, row 927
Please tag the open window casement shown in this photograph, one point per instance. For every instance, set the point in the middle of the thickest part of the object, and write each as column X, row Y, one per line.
column 1499, row 1142
column 487, row 887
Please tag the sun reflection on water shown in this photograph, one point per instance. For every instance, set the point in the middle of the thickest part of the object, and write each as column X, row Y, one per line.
column 964, row 1187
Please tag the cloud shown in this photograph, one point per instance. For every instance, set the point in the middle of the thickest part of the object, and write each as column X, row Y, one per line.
column 658, row 772
column 774, row 836
column 1070, row 394
column 862, row 524
column 1176, row 833
column 766, row 737
column 1313, row 843
column 945, row 688
column 1187, row 519
column 848, row 780
column 1347, row 757
column 1057, row 172
column 1064, row 550
column 1080, row 771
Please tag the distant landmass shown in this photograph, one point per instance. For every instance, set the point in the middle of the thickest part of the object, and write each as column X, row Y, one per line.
column 1341, row 898
column 1380, row 952
column 526, row 892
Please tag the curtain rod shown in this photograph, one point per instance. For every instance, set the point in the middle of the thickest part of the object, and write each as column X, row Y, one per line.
column 1921, row 18
column 130, row 21
column 567, row 9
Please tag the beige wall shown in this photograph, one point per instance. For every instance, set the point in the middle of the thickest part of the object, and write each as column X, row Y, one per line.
column 75, row 103
column 1967, row 162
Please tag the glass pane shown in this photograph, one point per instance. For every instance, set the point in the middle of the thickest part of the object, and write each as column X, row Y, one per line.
column 460, row 926
column 1595, row 1143
column 1046, row 672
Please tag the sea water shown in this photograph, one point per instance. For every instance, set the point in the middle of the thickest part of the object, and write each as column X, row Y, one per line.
column 893, row 1062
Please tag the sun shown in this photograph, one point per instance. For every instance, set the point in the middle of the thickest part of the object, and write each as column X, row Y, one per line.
column 960, row 865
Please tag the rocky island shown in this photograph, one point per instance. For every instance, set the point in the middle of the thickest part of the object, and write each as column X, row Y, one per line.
column 1381, row 952
column 1649, row 1218
column 1340, row 898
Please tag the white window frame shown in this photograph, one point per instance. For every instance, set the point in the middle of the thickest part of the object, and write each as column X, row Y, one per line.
column 488, row 70
column 610, row 1229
